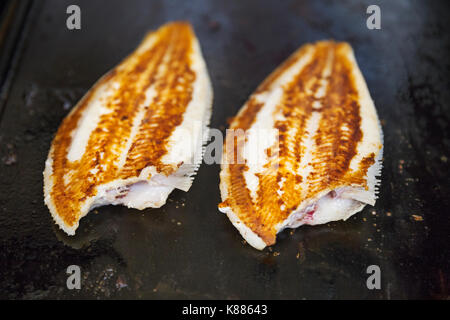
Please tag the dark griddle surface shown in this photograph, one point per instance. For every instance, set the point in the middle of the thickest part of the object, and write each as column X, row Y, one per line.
column 187, row 249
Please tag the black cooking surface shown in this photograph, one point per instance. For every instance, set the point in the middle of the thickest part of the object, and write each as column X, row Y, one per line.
column 187, row 248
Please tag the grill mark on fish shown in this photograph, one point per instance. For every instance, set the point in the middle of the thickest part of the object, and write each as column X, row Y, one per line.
column 336, row 147
column 247, row 212
column 241, row 194
column 175, row 92
column 106, row 141
column 297, row 107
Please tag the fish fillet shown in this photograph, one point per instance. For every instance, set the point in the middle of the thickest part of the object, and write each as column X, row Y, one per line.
column 137, row 134
column 311, row 148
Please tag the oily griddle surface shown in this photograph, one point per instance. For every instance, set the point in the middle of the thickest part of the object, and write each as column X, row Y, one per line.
column 188, row 249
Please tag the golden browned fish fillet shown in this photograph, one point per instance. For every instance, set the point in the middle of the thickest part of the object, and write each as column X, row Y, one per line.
column 320, row 152
column 137, row 134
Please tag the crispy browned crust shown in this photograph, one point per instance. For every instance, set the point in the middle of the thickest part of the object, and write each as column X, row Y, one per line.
column 334, row 147
column 73, row 182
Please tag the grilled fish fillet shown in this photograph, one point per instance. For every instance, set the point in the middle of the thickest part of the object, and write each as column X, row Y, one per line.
column 137, row 134
column 321, row 152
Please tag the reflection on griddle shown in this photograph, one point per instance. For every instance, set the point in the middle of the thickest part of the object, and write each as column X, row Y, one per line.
column 100, row 223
